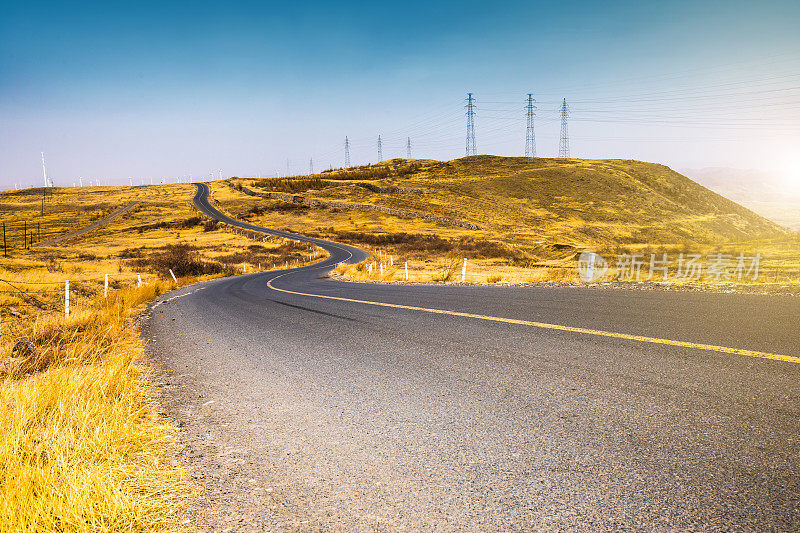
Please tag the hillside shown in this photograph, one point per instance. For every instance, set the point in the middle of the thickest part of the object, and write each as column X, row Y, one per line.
column 543, row 206
column 765, row 193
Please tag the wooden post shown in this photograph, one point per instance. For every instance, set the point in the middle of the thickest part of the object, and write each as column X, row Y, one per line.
column 25, row 234
column 5, row 245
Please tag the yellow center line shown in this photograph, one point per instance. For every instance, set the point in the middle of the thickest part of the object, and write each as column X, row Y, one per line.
column 558, row 327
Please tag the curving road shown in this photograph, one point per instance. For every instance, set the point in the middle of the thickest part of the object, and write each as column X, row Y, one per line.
column 306, row 405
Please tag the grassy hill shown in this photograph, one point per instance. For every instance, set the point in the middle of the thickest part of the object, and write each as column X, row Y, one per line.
column 545, row 207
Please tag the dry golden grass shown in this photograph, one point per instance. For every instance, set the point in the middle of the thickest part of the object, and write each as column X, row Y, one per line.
column 535, row 217
column 83, row 447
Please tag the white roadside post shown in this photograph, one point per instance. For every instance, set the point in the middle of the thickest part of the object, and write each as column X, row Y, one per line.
column 66, row 298
column 369, row 269
column 138, row 280
column 105, row 287
column 464, row 271
column 381, row 269
column 171, row 273
column 391, row 260
column 405, row 268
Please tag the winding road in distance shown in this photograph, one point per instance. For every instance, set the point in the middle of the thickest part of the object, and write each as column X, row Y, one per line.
column 312, row 404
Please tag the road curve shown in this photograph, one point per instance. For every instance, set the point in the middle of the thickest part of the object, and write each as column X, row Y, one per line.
column 339, row 253
column 308, row 413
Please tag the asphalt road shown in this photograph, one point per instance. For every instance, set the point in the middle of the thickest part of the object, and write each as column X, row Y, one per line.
column 306, row 413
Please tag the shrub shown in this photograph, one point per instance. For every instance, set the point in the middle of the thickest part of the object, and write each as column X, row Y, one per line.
column 182, row 259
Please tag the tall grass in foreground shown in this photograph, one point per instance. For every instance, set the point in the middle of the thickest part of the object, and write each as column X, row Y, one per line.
column 82, row 447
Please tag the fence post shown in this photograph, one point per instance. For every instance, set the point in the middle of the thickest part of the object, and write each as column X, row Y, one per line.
column 66, row 298
column 138, row 280
column 25, row 235
column 5, row 247
column 405, row 267
column 464, row 271
column 171, row 273
column 381, row 269
column 105, row 287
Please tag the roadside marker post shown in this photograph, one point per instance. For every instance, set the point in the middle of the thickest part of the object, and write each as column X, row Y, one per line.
column 66, row 299
column 590, row 267
column 105, row 287
column 464, row 271
column 138, row 280
column 171, row 273
column 405, row 267
column 391, row 260
column 381, row 269
column 369, row 269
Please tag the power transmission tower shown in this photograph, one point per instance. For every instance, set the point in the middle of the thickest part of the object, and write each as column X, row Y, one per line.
column 530, row 136
column 380, row 149
column 408, row 148
column 288, row 169
column 346, row 152
column 471, row 150
column 311, row 165
column 563, row 145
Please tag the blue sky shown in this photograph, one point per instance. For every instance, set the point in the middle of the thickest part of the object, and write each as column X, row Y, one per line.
column 154, row 89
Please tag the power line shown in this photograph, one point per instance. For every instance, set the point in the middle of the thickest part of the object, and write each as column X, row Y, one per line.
column 530, row 136
column 471, row 150
column 563, row 145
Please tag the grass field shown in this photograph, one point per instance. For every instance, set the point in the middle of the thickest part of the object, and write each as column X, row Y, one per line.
column 533, row 217
column 83, row 446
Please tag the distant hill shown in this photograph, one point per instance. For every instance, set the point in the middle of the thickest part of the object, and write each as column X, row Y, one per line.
column 762, row 192
column 545, row 205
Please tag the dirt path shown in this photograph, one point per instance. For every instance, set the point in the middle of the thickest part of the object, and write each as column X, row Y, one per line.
column 114, row 215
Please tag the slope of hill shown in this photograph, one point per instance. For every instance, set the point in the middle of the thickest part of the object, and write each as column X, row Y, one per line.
column 536, row 204
column 765, row 193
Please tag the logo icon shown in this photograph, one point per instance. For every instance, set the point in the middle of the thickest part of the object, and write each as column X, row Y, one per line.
column 591, row 266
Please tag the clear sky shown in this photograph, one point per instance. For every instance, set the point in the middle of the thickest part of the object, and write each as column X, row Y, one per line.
column 164, row 89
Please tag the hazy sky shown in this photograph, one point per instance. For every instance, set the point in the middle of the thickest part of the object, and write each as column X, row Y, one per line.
column 151, row 89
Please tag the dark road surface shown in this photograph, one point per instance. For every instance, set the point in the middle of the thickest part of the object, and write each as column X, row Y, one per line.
column 303, row 413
